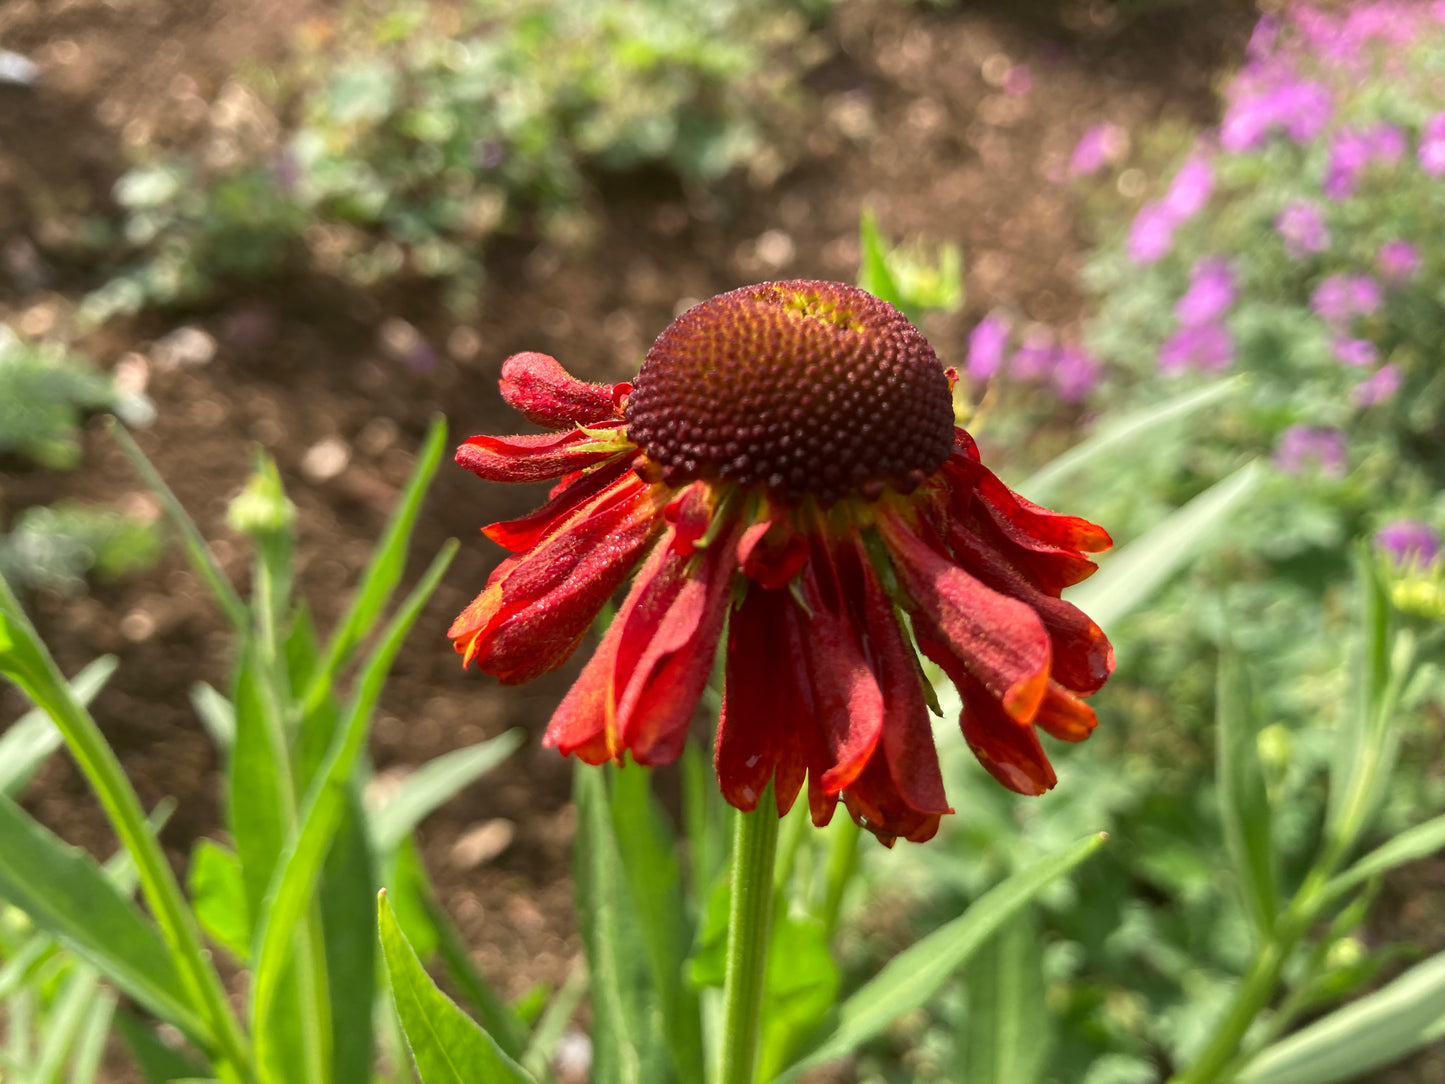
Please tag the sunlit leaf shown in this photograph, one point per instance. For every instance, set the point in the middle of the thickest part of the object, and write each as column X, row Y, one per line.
column 1243, row 801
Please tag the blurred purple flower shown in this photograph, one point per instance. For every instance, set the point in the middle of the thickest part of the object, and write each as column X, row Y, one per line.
column 1432, row 146
column 1378, row 387
column 1358, row 352
column 1301, row 445
column 1302, row 225
column 1302, row 107
column 1340, row 297
column 1408, row 541
column 1152, row 234
column 1190, row 189
column 1075, row 373
column 1209, row 348
column 986, row 343
column 1035, row 358
column 1210, row 293
column 1353, row 150
column 1100, row 146
column 488, row 153
column 1398, row 261
column 1018, row 80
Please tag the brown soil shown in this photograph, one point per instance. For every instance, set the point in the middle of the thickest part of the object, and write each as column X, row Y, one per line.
column 911, row 120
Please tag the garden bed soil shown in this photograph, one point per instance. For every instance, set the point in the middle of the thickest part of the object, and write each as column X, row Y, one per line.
column 913, row 120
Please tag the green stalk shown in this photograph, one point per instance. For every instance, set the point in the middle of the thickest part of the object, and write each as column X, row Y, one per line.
column 755, row 846
column 24, row 658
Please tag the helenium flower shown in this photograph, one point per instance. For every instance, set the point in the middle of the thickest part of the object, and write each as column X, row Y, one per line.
column 786, row 467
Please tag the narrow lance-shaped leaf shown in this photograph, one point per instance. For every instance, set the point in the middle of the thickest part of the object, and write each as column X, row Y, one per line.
column 448, row 1046
column 916, row 974
column 27, row 743
column 435, row 783
column 1007, row 1033
column 873, row 273
column 1409, row 846
column 65, row 892
column 1367, row 1034
column 1243, row 801
column 295, row 880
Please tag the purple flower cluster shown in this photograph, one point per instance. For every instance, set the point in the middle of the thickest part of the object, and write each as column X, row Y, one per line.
column 1302, row 446
column 1152, row 234
column 1398, row 261
column 1431, row 154
column 1202, row 341
column 1409, row 542
column 1352, row 151
column 1380, row 386
column 1100, row 146
column 1302, row 225
column 1073, row 371
column 1340, row 297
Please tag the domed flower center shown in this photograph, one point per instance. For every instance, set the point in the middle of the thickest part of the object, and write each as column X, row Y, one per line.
column 803, row 387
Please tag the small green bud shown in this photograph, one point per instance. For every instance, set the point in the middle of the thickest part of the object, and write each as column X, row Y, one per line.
column 262, row 508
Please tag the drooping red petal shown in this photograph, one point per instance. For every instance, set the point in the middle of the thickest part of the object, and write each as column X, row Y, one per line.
column 845, row 691
column 1064, row 716
column 766, row 727
column 1011, row 753
column 1083, row 658
column 909, row 752
column 1001, row 640
column 534, row 458
column 874, row 801
column 545, row 393
column 519, row 535
column 536, row 608
column 585, row 722
column 1046, row 528
column 658, row 694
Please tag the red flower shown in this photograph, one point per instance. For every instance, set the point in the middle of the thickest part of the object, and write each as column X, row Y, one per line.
column 786, row 468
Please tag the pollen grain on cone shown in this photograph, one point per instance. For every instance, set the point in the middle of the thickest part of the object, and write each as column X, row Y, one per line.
column 807, row 388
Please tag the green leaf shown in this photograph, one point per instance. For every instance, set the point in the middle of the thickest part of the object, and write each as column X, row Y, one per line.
column 348, row 919
column 1008, row 1031
column 217, row 715
column 1243, row 801
column 383, row 572
column 217, row 889
column 912, row 977
column 800, row 988
column 67, row 894
column 63, row 1023
column 25, row 746
column 627, row 1046
column 448, row 1046
column 256, row 781
column 158, row 1062
column 1366, row 1034
column 435, row 783
column 648, row 848
column 199, row 554
column 542, row 1044
column 1043, row 485
column 1409, row 846
column 1132, row 574
column 90, row 1043
column 294, row 882
column 873, row 273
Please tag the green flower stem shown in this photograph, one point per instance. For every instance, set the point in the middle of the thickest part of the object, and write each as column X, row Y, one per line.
column 32, row 667
column 755, row 846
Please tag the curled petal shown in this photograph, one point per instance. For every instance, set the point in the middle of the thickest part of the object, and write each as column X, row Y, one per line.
column 1000, row 640
column 1064, row 716
column 536, row 607
column 520, row 535
column 543, row 392
column 690, row 514
column 535, row 458
column 1083, row 658
column 874, row 802
column 771, row 553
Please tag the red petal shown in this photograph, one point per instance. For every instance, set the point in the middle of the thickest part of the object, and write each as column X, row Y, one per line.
column 846, row 696
column 766, row 727
column 912, row 760
column 1011, row 753
column 690, row 514
column 1083, row 658
column 545, row 393
column 1001, row 640
column 876, row 805
column 678, row 636
column 532, row 458
column 772, row 553
column 536, row 608
column 522, row 534
column 1064, row 716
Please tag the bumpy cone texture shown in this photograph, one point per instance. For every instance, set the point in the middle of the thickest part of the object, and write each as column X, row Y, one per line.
column 807, row 388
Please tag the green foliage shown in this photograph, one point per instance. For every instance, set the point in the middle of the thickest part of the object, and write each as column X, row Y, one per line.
column 291, row 903
column 422, row 131
column 58, row 545
column 44, row 392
